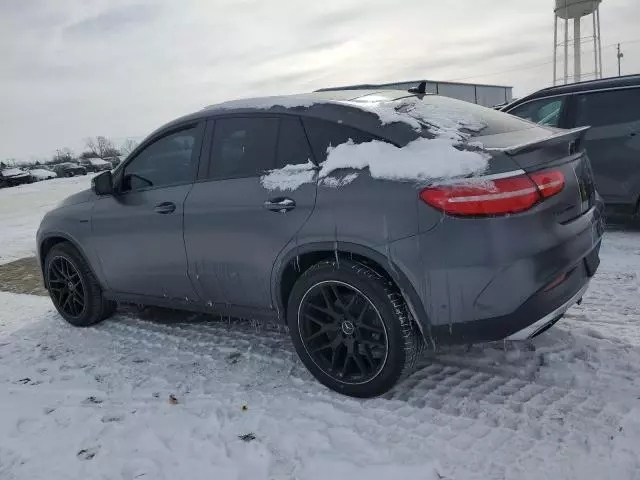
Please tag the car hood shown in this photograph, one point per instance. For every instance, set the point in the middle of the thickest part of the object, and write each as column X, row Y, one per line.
column 80, row 197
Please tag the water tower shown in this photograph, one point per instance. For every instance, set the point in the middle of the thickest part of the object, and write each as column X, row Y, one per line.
column 574, row 10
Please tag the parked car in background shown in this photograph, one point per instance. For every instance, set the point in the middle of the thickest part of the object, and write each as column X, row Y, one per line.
column 69, row 169
column 265, row 209
column 10, row 177
column 96, row 164
column 611, row 107
column 40, row 173
column 115, row 161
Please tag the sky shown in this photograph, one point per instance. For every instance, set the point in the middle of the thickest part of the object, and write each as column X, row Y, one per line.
column 72, row 69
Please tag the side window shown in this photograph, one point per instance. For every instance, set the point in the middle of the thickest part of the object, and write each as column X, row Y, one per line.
column 544, row 112
column 243, row 147
column 167, row 161
column 324, row 134
column 293, row 146
column 608, row 108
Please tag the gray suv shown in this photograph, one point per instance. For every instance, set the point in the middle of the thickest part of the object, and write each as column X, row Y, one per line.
column 611, row 107
column 228, row 211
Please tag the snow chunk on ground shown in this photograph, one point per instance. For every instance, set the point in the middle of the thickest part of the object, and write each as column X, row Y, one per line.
column 422, row 159
column 288, row 177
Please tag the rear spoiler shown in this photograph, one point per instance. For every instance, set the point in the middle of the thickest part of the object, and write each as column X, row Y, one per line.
column 563, row 136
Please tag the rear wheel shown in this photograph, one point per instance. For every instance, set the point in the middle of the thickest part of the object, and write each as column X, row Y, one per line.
column 73, row 287
column 351, row 328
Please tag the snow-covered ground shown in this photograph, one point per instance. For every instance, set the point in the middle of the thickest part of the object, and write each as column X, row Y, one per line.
column 94, row 403
column 22, row 208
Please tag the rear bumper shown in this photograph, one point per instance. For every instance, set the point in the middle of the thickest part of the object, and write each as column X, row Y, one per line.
column 549, row 319
column 535, row 315
column 487, row 280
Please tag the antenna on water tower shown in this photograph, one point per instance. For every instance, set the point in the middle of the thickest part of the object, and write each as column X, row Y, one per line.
column 574, row 10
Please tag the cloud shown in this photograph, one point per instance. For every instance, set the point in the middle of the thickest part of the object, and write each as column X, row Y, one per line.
column 112, row 21
column 72, row 69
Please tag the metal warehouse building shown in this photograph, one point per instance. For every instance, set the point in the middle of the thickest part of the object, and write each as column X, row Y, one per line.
column 486, row 95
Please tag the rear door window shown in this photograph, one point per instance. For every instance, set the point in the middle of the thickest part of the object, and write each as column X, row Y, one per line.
column 545, row 111
column 324, row 134
column 608, row 108
column 293, row 146
column 243, row 147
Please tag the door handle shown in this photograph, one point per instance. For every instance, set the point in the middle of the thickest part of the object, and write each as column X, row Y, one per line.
column 165, row 207
column 281, row 204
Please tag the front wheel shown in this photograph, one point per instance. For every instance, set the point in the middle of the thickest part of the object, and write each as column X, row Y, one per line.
column 73, row 287
column 351, row 328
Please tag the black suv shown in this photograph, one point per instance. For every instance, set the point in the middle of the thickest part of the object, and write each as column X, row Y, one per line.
column 611, row 106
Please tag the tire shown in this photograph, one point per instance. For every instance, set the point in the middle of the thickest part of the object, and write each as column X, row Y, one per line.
column 69, row 174
column 355, row 284
column 64, row 258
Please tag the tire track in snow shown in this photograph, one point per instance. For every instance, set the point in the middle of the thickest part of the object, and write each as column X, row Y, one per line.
column 491, row 398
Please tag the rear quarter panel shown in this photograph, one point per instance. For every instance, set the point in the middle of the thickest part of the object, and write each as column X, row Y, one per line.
column 366, row 211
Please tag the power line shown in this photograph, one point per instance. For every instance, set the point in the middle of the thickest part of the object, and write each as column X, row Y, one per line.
column 533, row 65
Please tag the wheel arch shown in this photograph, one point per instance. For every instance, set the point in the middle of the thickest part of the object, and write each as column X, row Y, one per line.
column 295, row 262
column 45, row 245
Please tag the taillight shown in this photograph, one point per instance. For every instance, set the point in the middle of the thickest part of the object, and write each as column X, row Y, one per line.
column 501, row 196
column 549, row 183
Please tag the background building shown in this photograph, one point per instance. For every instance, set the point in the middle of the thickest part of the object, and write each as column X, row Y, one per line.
column 486, row 95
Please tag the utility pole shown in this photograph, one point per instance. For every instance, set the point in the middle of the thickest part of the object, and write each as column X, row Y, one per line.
column 620, row 55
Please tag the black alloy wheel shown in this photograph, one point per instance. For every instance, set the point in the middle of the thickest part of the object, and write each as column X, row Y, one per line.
column 343, row 332
column 352, row 328
column 66, row 288
column 74, row 288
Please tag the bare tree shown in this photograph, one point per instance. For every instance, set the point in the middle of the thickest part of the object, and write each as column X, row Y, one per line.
column 63, row 155
column 128, row 146
column 101, row 147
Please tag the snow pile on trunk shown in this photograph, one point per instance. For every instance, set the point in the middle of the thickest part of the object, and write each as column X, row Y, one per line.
column 420, row 160
column 289, row 177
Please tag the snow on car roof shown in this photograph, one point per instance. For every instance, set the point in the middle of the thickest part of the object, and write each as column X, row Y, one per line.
column 10, row 172
column 441, row 155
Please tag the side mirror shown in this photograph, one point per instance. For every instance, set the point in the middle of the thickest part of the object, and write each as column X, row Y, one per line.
column 102, row 184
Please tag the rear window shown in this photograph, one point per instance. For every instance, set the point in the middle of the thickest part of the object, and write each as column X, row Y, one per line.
column 324, row 134
column 446, row 110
